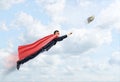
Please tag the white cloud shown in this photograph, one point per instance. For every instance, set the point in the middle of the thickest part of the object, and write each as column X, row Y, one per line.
column 110, row 16
column 85, row 3
column 54, row 8
column 7, row 57
column 3, row 26
column 84, row 40
column 115, row 59
column 6, row 4
column 82, row 69
column 3, row 53
column 33, row 29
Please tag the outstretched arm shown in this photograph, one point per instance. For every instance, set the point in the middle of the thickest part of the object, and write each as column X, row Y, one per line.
column 63, row 37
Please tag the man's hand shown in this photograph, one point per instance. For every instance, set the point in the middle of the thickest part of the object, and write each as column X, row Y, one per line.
column 69, row 33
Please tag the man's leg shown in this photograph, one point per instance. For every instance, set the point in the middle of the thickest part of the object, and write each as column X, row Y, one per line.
column 28, row 58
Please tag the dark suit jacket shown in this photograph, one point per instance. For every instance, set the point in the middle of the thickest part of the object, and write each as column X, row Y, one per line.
column 53, row 42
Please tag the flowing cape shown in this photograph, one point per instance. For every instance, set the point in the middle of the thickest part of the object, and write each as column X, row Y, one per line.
column 27, row 50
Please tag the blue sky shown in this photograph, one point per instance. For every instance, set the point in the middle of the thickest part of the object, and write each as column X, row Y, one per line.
column 91, row 53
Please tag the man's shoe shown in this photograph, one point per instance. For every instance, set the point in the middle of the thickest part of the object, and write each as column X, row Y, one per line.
column 18, row 65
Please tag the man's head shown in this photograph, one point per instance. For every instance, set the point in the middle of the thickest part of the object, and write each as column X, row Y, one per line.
column 56, row 32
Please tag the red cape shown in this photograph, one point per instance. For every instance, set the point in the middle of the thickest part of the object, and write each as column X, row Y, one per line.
column 27, row 50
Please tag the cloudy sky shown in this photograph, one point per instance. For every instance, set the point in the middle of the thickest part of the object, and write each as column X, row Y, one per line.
column 91, row 53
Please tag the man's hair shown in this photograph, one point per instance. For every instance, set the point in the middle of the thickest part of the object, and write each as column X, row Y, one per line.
column 56, row 31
